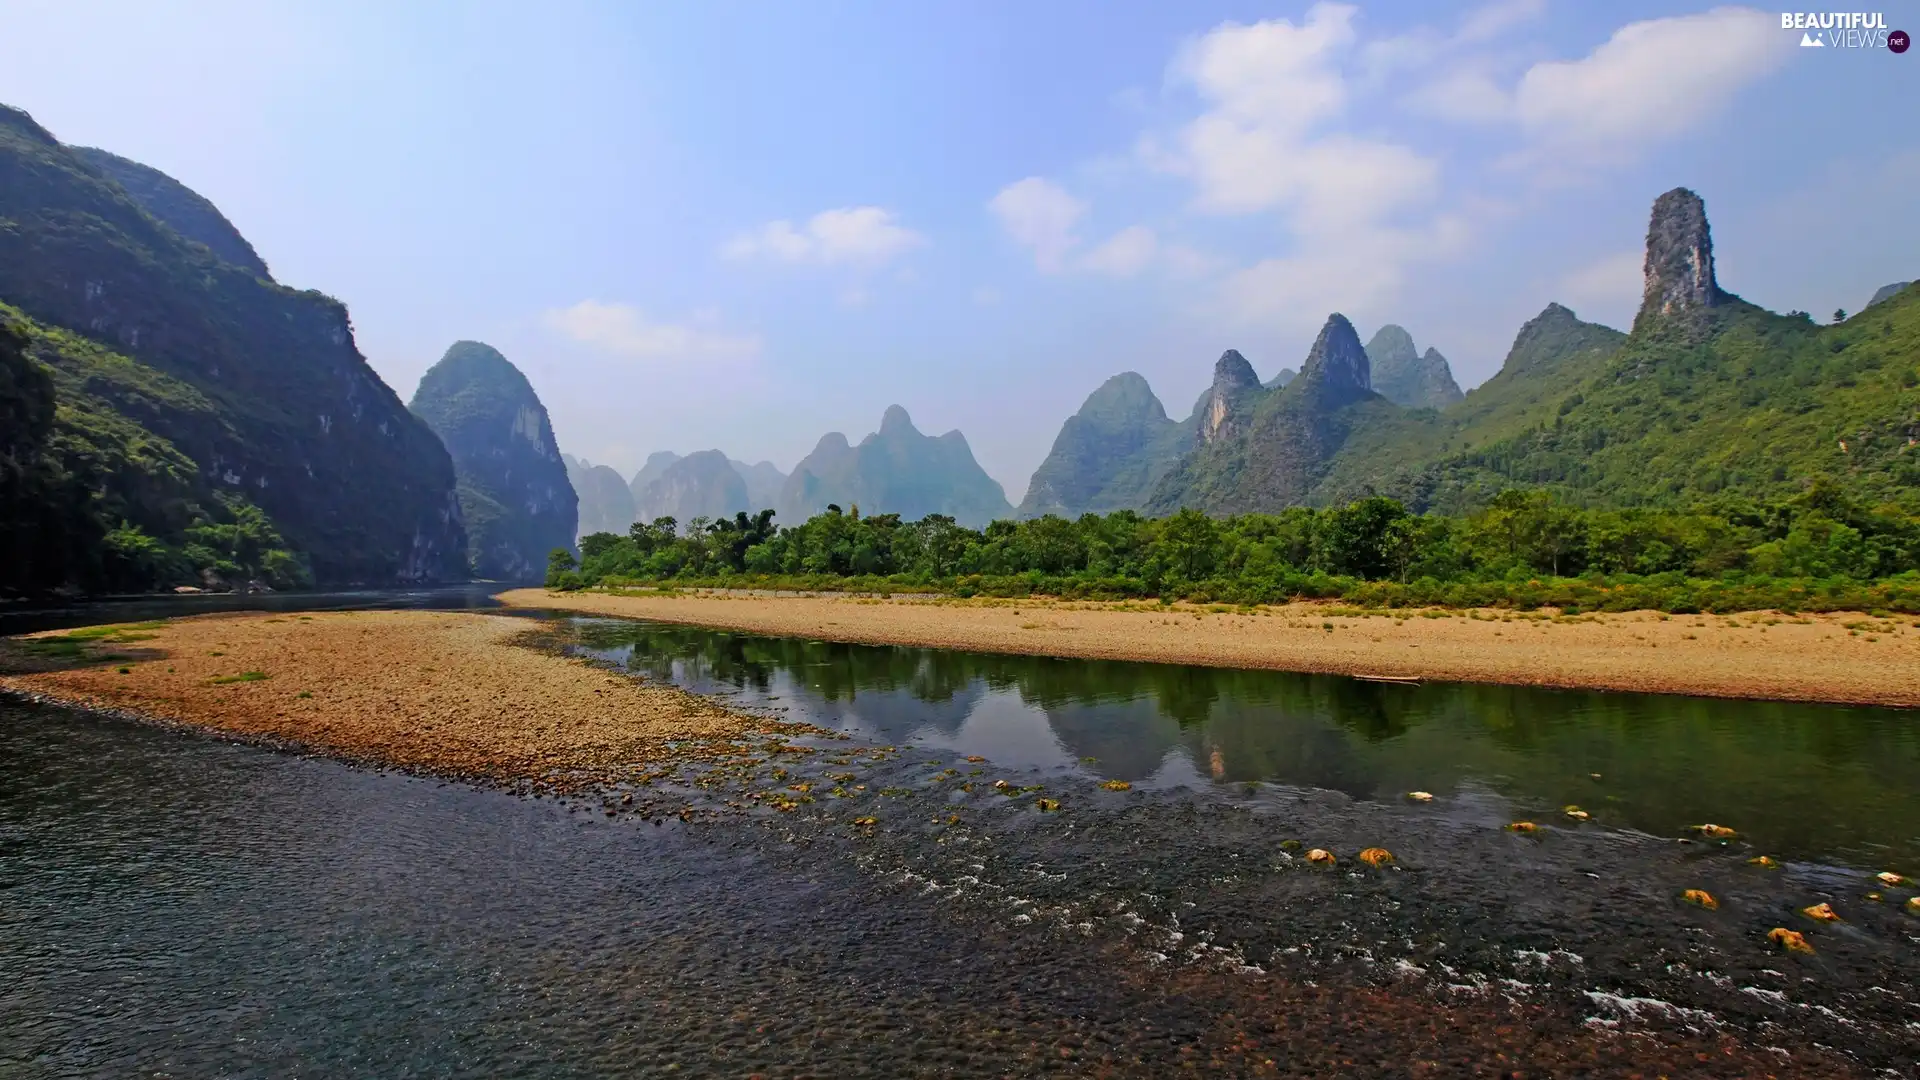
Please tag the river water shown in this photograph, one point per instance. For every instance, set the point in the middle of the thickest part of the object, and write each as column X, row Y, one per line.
column 179, row 905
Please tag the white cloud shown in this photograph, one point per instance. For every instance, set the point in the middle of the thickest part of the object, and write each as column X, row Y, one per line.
column 866, row 235
column 1465, row 94
column 623, row 330
column 1608, row 282
column 1651, row 80
column 986, row 296
column 855, row 297
column 1040, row 214
column 1125, row 254
column 1359, row 277
column 1490, row 20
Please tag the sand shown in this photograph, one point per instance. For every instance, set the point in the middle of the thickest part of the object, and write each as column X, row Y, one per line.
column 1848, row 657
column 449, row 694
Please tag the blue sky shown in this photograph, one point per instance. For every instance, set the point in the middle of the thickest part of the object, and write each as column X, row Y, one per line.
column 744, row 225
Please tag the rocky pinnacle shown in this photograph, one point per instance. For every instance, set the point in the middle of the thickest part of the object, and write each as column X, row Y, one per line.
column 1233, row 379
column 1679, row 267
column 1337, row 361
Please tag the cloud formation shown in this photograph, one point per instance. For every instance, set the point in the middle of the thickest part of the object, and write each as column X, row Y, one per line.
column 856, row 235
column 1040, row 215
column 623, row 330
column 1125, row 254
column 1650, row 81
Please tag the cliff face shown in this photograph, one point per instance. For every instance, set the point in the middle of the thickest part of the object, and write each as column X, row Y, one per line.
column 267, row 399
column 1108, row 455
column 896, row 470
column 514, row 492
column 1679, row 266
column 1234, row 387
column 701, row 485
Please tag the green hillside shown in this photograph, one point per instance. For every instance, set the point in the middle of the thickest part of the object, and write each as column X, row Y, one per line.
column 94, row 499
column 161, row 349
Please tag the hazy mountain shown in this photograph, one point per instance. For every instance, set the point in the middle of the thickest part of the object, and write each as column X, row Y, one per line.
column 229, row 423
column 1407, row 377
column 657, row 463
column 514, row 491
column 896, row 470
column 1108, row 455
column 701, row 485
column 764, row 481
column 606, row 504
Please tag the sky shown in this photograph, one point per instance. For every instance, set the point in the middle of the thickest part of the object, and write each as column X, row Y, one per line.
column 741, row 226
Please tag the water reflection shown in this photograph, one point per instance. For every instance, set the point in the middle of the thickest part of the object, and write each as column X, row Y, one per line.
column 1803, row 781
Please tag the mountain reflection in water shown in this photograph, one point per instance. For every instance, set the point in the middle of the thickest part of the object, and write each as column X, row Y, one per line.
column 1802, row 781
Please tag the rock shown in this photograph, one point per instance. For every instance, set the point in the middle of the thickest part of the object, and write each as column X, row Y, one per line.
column 1889, row 878
column 1714, row 832
column 1321, row 857
column 1523, row 827
column 1788, row 940
column 188, row 589
column 1420, row 796
column 1337, row 361
column 1887, row 292
column 1700, row 898
column 1377, row 857
column 1679, row 264
column 514, row 493
column 1821, row 912
column 1234, row 382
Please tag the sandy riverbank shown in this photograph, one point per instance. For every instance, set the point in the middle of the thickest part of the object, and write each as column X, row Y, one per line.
column 1850, row 658
column 430, row 691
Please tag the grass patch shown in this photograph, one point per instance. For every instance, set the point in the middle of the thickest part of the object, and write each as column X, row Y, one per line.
column 245, row 676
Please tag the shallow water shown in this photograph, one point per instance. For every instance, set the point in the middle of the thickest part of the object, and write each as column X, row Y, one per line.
column 1836, row 784
column 176, row 905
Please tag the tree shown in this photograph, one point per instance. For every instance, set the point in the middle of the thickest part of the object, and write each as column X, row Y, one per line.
column 1839, row 315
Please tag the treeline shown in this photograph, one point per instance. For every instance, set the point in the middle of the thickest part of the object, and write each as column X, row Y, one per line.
column 1821, row 550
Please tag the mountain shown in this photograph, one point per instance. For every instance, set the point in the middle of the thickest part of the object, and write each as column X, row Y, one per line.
column 1280, row 378
column 1407, row 377
column 178, row 207
column 657, row 463
column 1713, row 396
column 228, row 421
column 896, row 470
column 764, row 481
column 1262, row 449
column 700, row 485
column 606, row 504
column 513, row 486
column 1887, row 292
column 1554, row 354
column 1108, row 455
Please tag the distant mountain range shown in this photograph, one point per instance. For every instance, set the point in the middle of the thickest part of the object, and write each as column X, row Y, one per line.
column 1708, row 395
column 895, row 470
column 171, row 415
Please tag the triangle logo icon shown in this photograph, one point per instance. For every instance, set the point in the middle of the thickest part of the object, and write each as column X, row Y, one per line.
column 1808, row 41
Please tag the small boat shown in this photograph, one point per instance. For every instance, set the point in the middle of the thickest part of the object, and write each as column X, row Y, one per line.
column 1403, row 680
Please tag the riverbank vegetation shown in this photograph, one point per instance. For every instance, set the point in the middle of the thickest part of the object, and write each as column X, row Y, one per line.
column 1821, row 550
